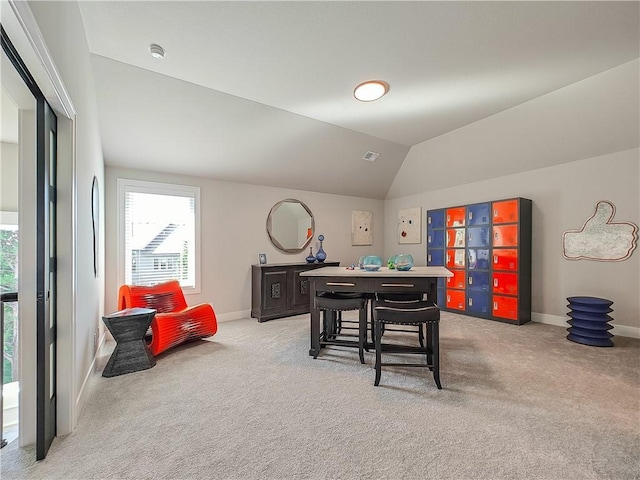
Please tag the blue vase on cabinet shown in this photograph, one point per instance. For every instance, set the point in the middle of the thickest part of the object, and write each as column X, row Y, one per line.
column 311, row 258
column 321, row 255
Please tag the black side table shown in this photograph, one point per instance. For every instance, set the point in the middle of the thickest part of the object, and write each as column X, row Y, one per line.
column 128, row 328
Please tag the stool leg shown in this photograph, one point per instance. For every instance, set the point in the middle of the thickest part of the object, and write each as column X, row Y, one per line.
column 362, row 331
column 378, row 340
column 421, row 335
column 435, row 335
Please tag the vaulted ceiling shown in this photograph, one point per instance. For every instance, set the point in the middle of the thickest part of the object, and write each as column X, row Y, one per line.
column 262, row 92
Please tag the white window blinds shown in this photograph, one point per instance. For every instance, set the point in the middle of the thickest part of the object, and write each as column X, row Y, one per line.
column 160, row 228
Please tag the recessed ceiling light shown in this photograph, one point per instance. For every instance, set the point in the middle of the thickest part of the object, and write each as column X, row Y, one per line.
column 156, row 51
column 371, row 90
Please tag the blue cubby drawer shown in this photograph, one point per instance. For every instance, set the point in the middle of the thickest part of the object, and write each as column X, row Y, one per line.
column 478, row 237
column 478, row 214
column 478, row 302
column 435, row 219
column 442, row 282
column 435, row 238
column 435, row 257
column 478, row 259
column 478, row 281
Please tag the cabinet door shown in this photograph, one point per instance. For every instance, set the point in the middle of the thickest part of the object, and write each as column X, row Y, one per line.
column 505, row 307
column 435, row 238
column 478, row 302
column 478, row 281
column 456, row 216
column 505, row 259
column 478, row 237
column 441, row 299
column 506, row 283
column 505, row 236
column 478, row 214
column 435, row 219
column 458, row 279
column 455, row 299
column 435, row 257
column 275, row 290
column 505, row 211
column 455, row 258
column 478, row 259
column 299, row 289
column 455, row 237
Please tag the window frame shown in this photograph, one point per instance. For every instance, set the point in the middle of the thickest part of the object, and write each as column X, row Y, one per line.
column 125, row 185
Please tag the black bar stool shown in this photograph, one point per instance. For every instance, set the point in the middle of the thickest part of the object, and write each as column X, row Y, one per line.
column 398, row 297
column 408, row 313
column 332, row 305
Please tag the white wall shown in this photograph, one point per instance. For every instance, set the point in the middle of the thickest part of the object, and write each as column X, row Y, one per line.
column 79, row 159
column 233, row 219
column 9, row 177
column 568, row 123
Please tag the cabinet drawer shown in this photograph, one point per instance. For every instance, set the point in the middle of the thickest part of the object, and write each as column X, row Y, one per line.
column 455, row 237
column 435, row 257
column 478, row 281
column 505, row 211
column 505, row 307
column 505, row 236
column 505, row 283
column 478, row 259
column 455, row 299
column 435, row 219
column 341, row 284
column 478, row 237
column 399, row 285
column 505, row 259
column 455, row 258
column 478, row 302
column 478, row 214
column 456, row 216
column 457, row 281
column 435, row 238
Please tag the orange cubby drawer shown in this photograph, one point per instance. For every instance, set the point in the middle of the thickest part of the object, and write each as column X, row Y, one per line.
column 505, row 212
column 457, row 281
column 455, row 258
column 505, row 307
column 505, row 283
column 505, row 236
column 505, row 259
column 456, row 216
column 455, row 237
column 455, row 299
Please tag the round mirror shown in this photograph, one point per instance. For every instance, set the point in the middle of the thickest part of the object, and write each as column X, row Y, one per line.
column 290, row 225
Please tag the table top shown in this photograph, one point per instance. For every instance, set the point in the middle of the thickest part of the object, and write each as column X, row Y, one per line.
column 130, row 312
column 383, row 272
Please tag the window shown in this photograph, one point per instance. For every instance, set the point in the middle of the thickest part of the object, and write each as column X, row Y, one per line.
column 159, row 230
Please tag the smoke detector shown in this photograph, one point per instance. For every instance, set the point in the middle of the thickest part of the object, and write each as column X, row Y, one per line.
column 371, row 156
column 156, row 51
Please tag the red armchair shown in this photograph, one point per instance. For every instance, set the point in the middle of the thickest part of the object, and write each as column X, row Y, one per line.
column 174, row 322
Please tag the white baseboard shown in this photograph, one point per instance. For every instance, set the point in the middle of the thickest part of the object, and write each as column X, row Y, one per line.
column 618, row 330
column 225, row 317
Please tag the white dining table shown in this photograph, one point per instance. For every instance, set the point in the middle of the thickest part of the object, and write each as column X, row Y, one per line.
column 340, row 279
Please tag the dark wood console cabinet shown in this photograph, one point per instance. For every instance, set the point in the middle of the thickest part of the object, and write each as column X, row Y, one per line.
column 277, row 290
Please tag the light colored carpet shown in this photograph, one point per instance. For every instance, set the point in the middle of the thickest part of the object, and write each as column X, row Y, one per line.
column 518, row 403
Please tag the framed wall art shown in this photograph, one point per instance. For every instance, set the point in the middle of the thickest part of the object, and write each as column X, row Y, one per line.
column 361, row 227
column 409, row 225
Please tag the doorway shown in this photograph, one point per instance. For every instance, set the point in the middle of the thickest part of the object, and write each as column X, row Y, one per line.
column 30, row 282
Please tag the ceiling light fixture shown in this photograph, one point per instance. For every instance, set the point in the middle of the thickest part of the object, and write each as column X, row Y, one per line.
column 371, row 90
column 156, row 51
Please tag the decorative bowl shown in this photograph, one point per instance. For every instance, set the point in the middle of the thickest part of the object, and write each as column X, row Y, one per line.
column 403, row 262
column 372, row 263
column 391, row 263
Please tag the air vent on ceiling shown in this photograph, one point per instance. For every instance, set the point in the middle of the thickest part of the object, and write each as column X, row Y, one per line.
column 371, row 156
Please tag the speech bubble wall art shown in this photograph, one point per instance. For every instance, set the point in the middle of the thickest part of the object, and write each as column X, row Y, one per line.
column 600, row 238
